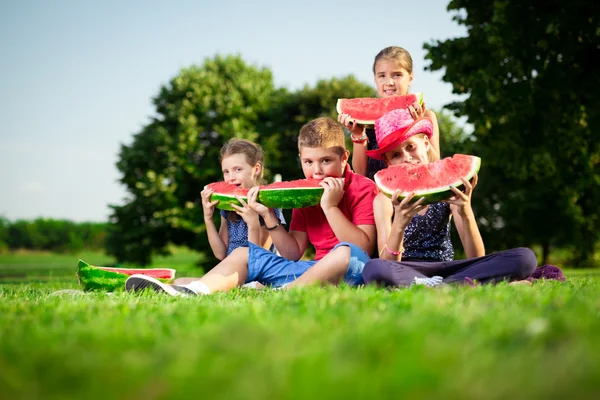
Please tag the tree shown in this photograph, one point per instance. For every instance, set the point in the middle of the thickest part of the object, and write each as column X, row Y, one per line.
column 292, row 110
column 529, row 71
column 177, row 153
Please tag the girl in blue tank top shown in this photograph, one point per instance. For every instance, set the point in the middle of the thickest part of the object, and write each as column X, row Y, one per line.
column 414, row 238
column 242, row 163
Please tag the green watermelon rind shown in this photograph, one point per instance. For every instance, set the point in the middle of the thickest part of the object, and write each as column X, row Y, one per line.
column 284, row 198
column 92, row 278
column 371, row 123
column 290, row 198
column 434, row 195
column 225, row 201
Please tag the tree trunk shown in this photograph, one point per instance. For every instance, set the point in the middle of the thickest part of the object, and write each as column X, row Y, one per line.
column 545, row 253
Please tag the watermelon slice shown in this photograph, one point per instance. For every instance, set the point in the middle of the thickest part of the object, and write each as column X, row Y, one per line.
column 108, row 279
column 227, row 194
column 431, row 181
column 365, row 110
column 291, row 194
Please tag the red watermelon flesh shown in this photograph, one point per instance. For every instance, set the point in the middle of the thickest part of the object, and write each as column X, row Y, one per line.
column 163, row 273
column 365, row 110
column 431, row 181
column 289, row 194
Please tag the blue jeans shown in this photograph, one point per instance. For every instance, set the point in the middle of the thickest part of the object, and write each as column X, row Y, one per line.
column 271, row 269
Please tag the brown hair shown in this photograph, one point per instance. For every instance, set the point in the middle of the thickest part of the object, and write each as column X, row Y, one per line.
column 397, row 54
column 322, row 132
column 253, row 152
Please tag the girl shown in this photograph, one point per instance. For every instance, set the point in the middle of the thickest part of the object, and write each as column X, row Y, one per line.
column 413, row 238
column 393, row 73
column 242, row 163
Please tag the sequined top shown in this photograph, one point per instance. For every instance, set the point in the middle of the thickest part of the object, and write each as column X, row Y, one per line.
column 427, row 237
column 237, row 229
column 373, row 165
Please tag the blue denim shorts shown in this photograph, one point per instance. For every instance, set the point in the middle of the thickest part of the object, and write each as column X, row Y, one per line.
column 358, row 259
column 271, row 269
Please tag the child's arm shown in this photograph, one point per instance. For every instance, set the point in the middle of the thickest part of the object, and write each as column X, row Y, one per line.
column 290, row 245
column 344, row 230
column 359, row 157
column 218, row 240
column 390, row 235
column 464, row 218
column 435, row 138
column 265, row 238
column 250, row 217
column 418, row 111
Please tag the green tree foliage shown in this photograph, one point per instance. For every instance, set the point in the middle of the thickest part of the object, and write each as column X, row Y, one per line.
column 292, row 110
column 528, row 69
column 48, row 234
column 177, row 152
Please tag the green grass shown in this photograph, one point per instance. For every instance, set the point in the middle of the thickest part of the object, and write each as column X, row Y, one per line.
column 493, row 342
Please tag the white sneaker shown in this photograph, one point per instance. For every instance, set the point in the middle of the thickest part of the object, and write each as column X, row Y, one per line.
column 430, row 282
column 136, row 283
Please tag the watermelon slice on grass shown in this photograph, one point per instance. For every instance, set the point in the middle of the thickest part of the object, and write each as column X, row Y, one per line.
column 287, row 195
column 431, row 181
column 365, row 110
column 109, row 279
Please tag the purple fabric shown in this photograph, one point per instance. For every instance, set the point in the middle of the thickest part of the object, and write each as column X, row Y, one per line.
column 551, row 272
column 512, row 265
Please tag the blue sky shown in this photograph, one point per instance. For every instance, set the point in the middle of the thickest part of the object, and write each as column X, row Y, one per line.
column 77, row 77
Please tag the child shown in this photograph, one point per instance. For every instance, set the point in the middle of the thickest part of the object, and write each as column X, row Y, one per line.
column 242, row 163
column 414, row 239
column 341, row 228
column 393, row 73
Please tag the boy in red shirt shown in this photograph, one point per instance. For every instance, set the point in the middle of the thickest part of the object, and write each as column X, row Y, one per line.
column 341, row 228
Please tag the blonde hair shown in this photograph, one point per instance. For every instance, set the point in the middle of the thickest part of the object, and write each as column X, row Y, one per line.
column 397, row 54
column 432, row 155
column 322, row 132
column 253, row 152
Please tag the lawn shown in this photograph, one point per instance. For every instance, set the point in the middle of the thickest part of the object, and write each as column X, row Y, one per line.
column 493, row 342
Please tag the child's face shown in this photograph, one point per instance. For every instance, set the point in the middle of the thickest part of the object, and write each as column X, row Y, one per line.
column 413, row 151
column 391, row 79
column 237, row 171
column 320, row 162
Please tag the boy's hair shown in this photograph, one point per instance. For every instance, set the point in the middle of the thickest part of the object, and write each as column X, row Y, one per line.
column 322, row 132
column 253, row 152
column 396, row 54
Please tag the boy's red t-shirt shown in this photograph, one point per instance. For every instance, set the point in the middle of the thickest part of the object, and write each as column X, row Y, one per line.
column 356, row 204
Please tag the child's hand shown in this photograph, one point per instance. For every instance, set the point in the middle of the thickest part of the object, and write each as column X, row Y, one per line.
column 334, row 190
column 208, row 207
column 404, row 210
column 254, row 204
column 416, row 110
column 463, row 200
column 248, row 215
column 354, row 128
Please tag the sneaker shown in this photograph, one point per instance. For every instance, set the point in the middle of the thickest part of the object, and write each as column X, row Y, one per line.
column 136, row 283
column 430, row 282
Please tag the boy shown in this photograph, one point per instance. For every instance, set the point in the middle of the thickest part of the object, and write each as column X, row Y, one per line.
column 341, row 228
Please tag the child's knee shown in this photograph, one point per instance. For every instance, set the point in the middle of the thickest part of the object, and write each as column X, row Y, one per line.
column 241, row 253
column 526, row 264
column 372, row 271
column 342, row 254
